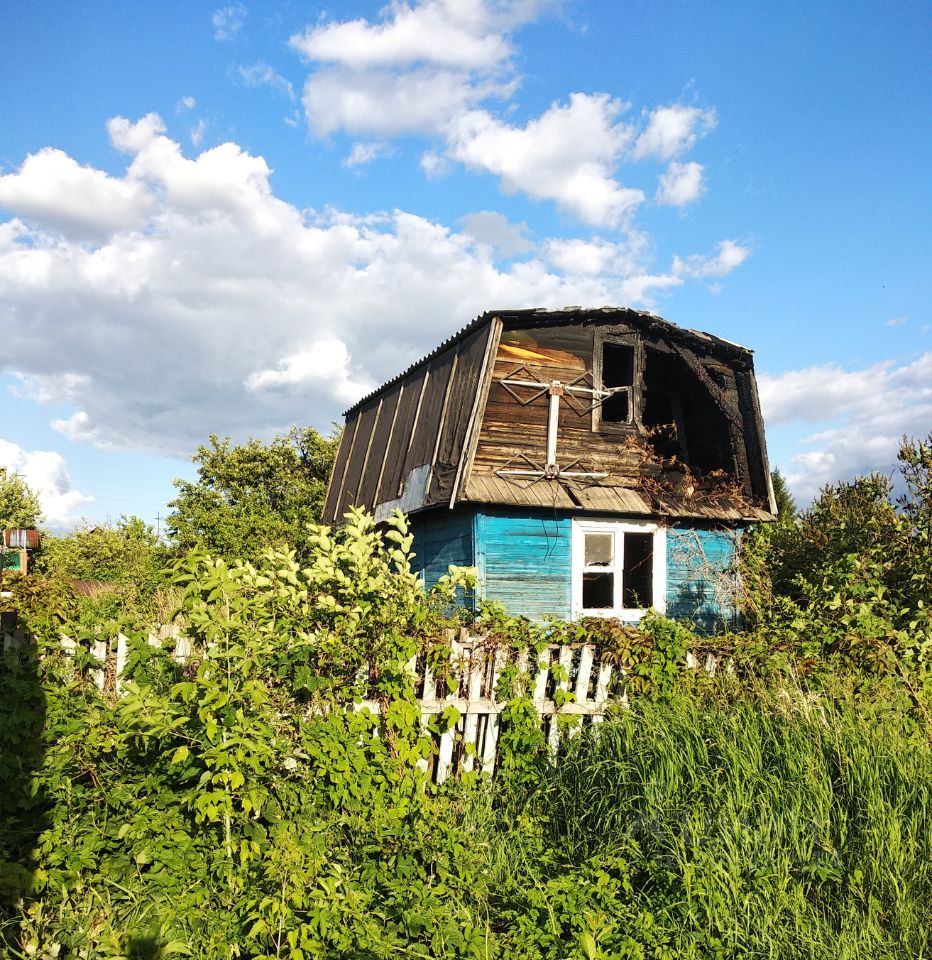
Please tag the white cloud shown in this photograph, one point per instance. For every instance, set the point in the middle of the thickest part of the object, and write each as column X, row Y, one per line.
column 327, row 362
column 413, row 70
column 77, row 428
column 52, row 189
column 862, row 413
column 680, row 184
column 228, row 21
column 363, row 153
column 186, row 103
column 452, row 34
column 207, row 311
column 598, row 256
column 672, row 130
column 433, row 164
column 384, row 103
column 495, row 229
column 895, row 322
column 433, row 67
column 261, row 74
column 729, row 256
column 567, row 155
column 45, row 473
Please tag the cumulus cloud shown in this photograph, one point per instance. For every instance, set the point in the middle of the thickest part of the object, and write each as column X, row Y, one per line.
column 52, row 189
column 411, row 71
column 218, row 307
column 730, row 255
column 495, row 229
column 599, row 256
column 228, row 21
column 673, row 130
column 45, row 472
column 680, row 184
column 327, row 361
column 384, row 103
column 567, row 155
column 442, row 68
column 860, row 416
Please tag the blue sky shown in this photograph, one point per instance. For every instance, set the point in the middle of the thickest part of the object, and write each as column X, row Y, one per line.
column 229, row 218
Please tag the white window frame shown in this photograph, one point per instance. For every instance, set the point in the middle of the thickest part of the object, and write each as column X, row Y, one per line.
column 619, row 528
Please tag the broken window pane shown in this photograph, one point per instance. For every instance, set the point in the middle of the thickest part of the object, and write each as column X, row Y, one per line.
column 638, row 583
column 598, row 591
column 599, row 549
column 617, row 371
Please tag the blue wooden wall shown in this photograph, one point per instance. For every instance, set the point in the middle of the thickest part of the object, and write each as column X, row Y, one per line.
column 701, row 577
column 441, row 537
column 524, row 561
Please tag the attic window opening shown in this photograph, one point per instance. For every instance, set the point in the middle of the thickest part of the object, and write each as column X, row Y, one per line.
column 618, row 376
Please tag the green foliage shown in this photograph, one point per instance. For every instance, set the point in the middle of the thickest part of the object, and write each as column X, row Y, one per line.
column 122, row 567
column 850, row 580
column 253, row 496
column 19, row 505
column 786, row 505
column 271, row 796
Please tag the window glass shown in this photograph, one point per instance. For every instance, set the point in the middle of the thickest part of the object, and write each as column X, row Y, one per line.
column 598, row 591
column 638, row 575
column 599, row 549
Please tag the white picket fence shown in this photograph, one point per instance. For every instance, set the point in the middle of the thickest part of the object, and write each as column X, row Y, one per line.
column 471, row 744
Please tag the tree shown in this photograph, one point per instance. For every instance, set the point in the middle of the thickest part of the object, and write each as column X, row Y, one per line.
column 127, row 552
column 19, row 505
column 251, row 496
column 786, row 505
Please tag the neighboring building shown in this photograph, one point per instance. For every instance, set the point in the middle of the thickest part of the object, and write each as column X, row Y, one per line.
column 586, row 462
column 17, row 544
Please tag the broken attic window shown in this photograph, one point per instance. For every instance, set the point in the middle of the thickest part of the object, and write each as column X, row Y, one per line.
column 617, row 372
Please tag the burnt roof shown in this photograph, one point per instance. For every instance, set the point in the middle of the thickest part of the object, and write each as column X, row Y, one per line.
column 541, row 316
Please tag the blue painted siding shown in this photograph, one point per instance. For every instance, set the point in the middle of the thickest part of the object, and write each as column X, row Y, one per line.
column 701, row 577
column 441, row 537
column 525, row 562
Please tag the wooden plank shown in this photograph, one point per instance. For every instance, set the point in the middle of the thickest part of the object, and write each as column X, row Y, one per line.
column 375, row 462
column 584, row 673
column 463, row 398
column 402, row 435
column 359, row 454
column 333, row 504
column 473, row 427
column 99, row 650
column 121, row 653
column 424, row 437
column 446, row 469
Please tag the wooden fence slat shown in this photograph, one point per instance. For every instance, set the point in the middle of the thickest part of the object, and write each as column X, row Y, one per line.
column 99, row 650
column 445, row 755
column 586, row 657
column 121, row 651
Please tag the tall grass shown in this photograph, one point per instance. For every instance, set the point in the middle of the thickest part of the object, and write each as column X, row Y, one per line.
column 772, row 828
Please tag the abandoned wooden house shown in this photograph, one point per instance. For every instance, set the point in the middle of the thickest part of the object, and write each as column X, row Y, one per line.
column 586, row 462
